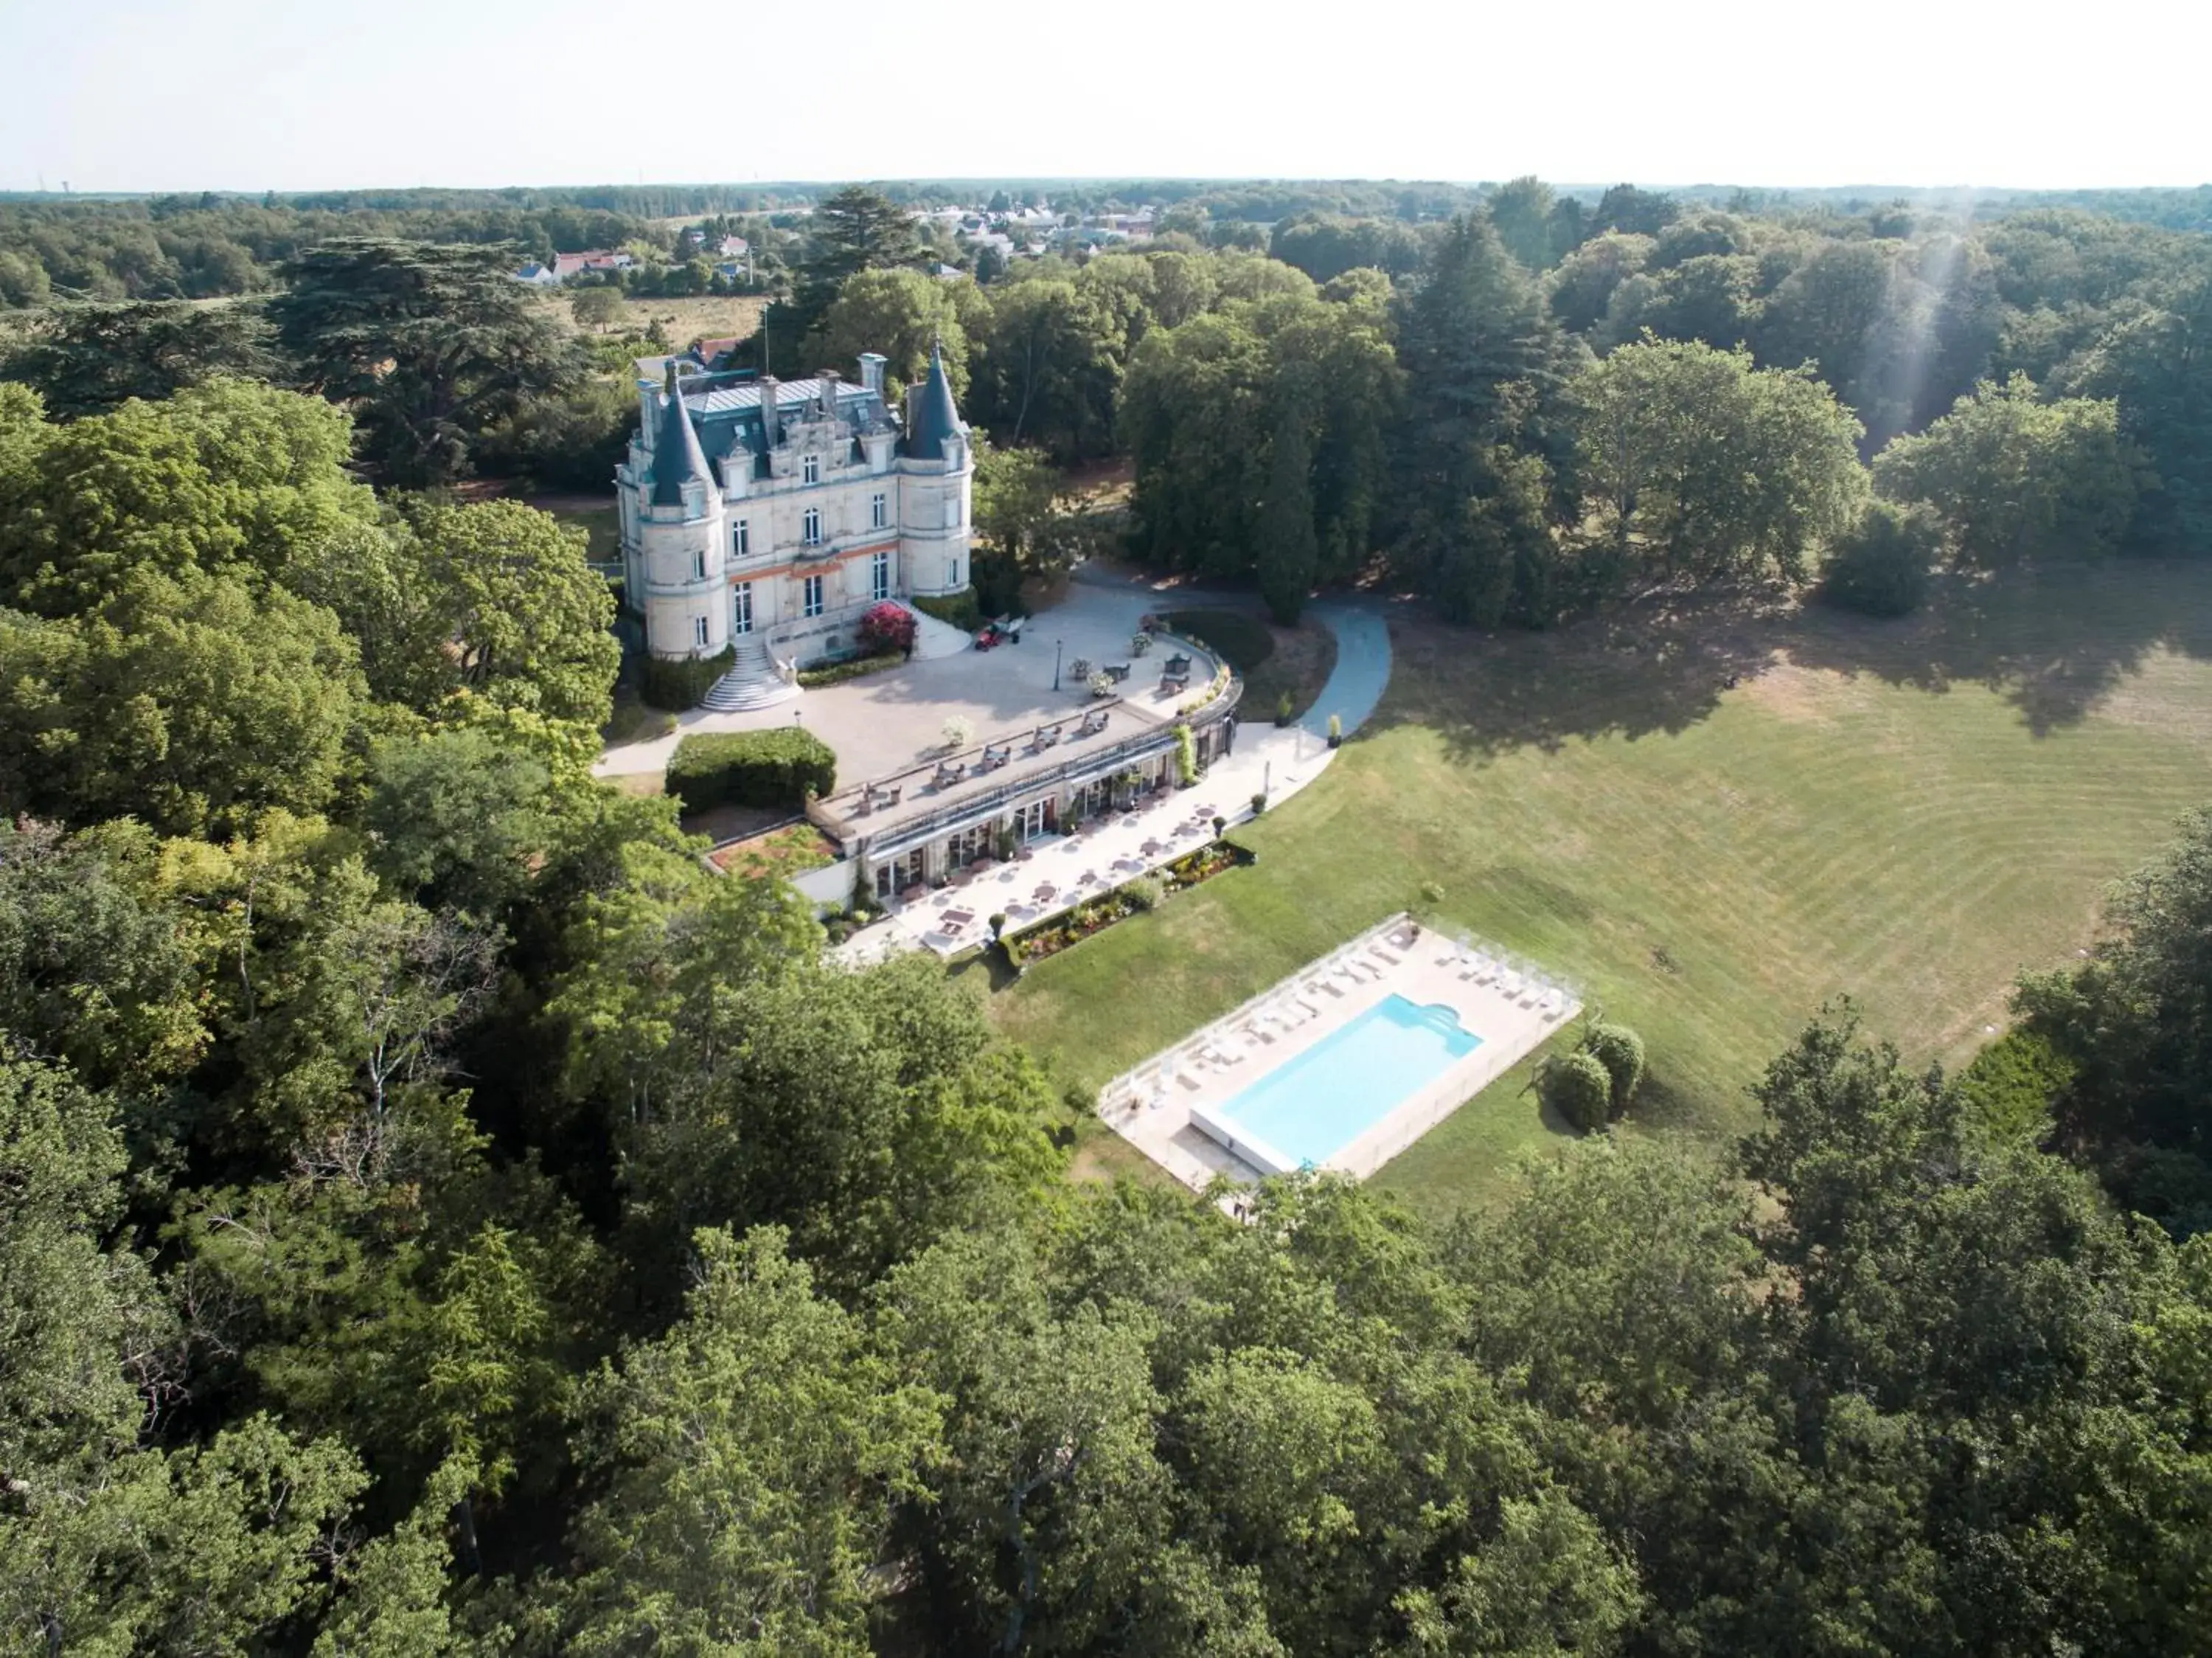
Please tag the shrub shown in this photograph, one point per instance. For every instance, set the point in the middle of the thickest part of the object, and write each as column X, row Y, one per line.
column 998, row 924
column 1880, row 567
column 1431, row 892
column 1145, row 892
column 677, row 686
column 1336, row 729
column 1620, row 1050
column 776, row 768
column 1220, row 828
column 813, row 678
column 1102, row 684
column 959, row 609
column 1283, row 706
column 1245, row 642
column 1186, row 756
column 958, row 731
column 887, row 627
column 1578, row 1087
column 2008, row 1090
column 1259, row 804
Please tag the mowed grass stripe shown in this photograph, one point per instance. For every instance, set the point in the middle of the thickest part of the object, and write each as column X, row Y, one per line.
column 1908, row 814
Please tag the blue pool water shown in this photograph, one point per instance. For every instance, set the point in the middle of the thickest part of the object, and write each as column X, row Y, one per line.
column 1311, row 1107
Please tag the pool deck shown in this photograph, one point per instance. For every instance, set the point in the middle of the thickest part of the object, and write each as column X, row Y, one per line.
column 1510, row 1005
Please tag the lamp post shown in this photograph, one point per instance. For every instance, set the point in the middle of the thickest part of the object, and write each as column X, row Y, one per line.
column 1055, row 664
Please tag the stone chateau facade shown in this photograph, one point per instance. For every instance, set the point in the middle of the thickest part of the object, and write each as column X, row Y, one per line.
column 769, row 514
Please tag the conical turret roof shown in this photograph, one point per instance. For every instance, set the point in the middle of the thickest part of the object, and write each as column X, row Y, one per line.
column 936, row 417
column 678, row 460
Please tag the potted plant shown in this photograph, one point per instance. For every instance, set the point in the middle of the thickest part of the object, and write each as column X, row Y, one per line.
column 1102, row 684
column 1079, row 669
column 1283, row 714
column 1139, row 642
column 1336, row 731
column 1259, row 804
column 958, row 731
column 1007, row 844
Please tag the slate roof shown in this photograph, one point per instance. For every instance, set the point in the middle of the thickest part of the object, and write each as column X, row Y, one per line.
column 936, row 417
column 677, row 459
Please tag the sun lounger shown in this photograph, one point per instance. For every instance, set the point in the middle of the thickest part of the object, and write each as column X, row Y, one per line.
column 1376, row 950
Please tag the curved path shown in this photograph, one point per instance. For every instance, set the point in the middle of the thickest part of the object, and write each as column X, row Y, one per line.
column 1362, row 673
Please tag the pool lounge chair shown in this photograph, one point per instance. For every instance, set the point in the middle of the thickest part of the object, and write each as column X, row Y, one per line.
column 1378, row 952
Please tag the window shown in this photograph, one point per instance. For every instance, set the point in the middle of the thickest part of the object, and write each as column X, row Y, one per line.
column 952, row 572
column 953, row 512
column 698, row 563
column 699, row 631
column 813, row 527
column 743, row 542
column 813, row 595
column 879, row 574
column 810, row 470
column 879, row 511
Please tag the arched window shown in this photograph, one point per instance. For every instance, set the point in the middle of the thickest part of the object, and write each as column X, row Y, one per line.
column 813, row 523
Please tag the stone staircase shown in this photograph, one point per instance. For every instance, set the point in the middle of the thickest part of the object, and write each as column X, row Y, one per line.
column 753, row 680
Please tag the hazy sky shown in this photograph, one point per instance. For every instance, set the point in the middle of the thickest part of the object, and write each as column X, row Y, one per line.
column 296, row 95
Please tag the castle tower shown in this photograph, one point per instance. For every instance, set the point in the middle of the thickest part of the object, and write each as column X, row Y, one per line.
column 936, row 470
column 682, row 546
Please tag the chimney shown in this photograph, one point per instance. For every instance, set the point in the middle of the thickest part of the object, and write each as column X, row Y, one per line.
column 826, row 379
column 872, row 371
column 771, row 422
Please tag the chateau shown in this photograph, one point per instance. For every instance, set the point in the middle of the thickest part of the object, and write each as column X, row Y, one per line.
column 764, row 517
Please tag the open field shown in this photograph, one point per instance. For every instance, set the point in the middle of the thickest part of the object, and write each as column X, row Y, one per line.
column 1909, row 813
column 706, row 317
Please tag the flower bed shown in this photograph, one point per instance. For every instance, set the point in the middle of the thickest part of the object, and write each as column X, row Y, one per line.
column 1093, row 915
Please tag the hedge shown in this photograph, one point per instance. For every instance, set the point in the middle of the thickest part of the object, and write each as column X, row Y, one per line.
column 833, row 672
column 678, row 685
column 959, row 609
column 780, row 767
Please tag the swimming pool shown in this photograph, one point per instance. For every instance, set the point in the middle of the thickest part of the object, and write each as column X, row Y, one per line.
column 1313, row 1106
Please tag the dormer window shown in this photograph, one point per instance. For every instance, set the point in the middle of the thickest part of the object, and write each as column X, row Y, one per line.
column 810, row 470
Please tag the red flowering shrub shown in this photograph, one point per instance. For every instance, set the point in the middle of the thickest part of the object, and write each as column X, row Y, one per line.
column 886, row 627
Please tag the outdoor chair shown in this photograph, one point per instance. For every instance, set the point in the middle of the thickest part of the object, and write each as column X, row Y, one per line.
column 1117, row 671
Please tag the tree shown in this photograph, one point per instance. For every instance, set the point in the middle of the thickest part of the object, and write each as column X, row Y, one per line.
column 2015, row 479
column 456, row 817
column 742, row 1463
column 532, row 624
column 228, row 476
column 1521, row 210
column 2155, row 364
column 187, row 700
column 1722, row 469
column 598, row 308
column 1582, row 288
column 1052, row 365
column 83, row 359
column 1287, row 554
column 1880, row 567
column 851, row 230
column 903, row 315
column 430, row 345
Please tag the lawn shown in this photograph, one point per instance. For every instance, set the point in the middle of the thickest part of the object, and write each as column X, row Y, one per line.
column 1907, row 812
